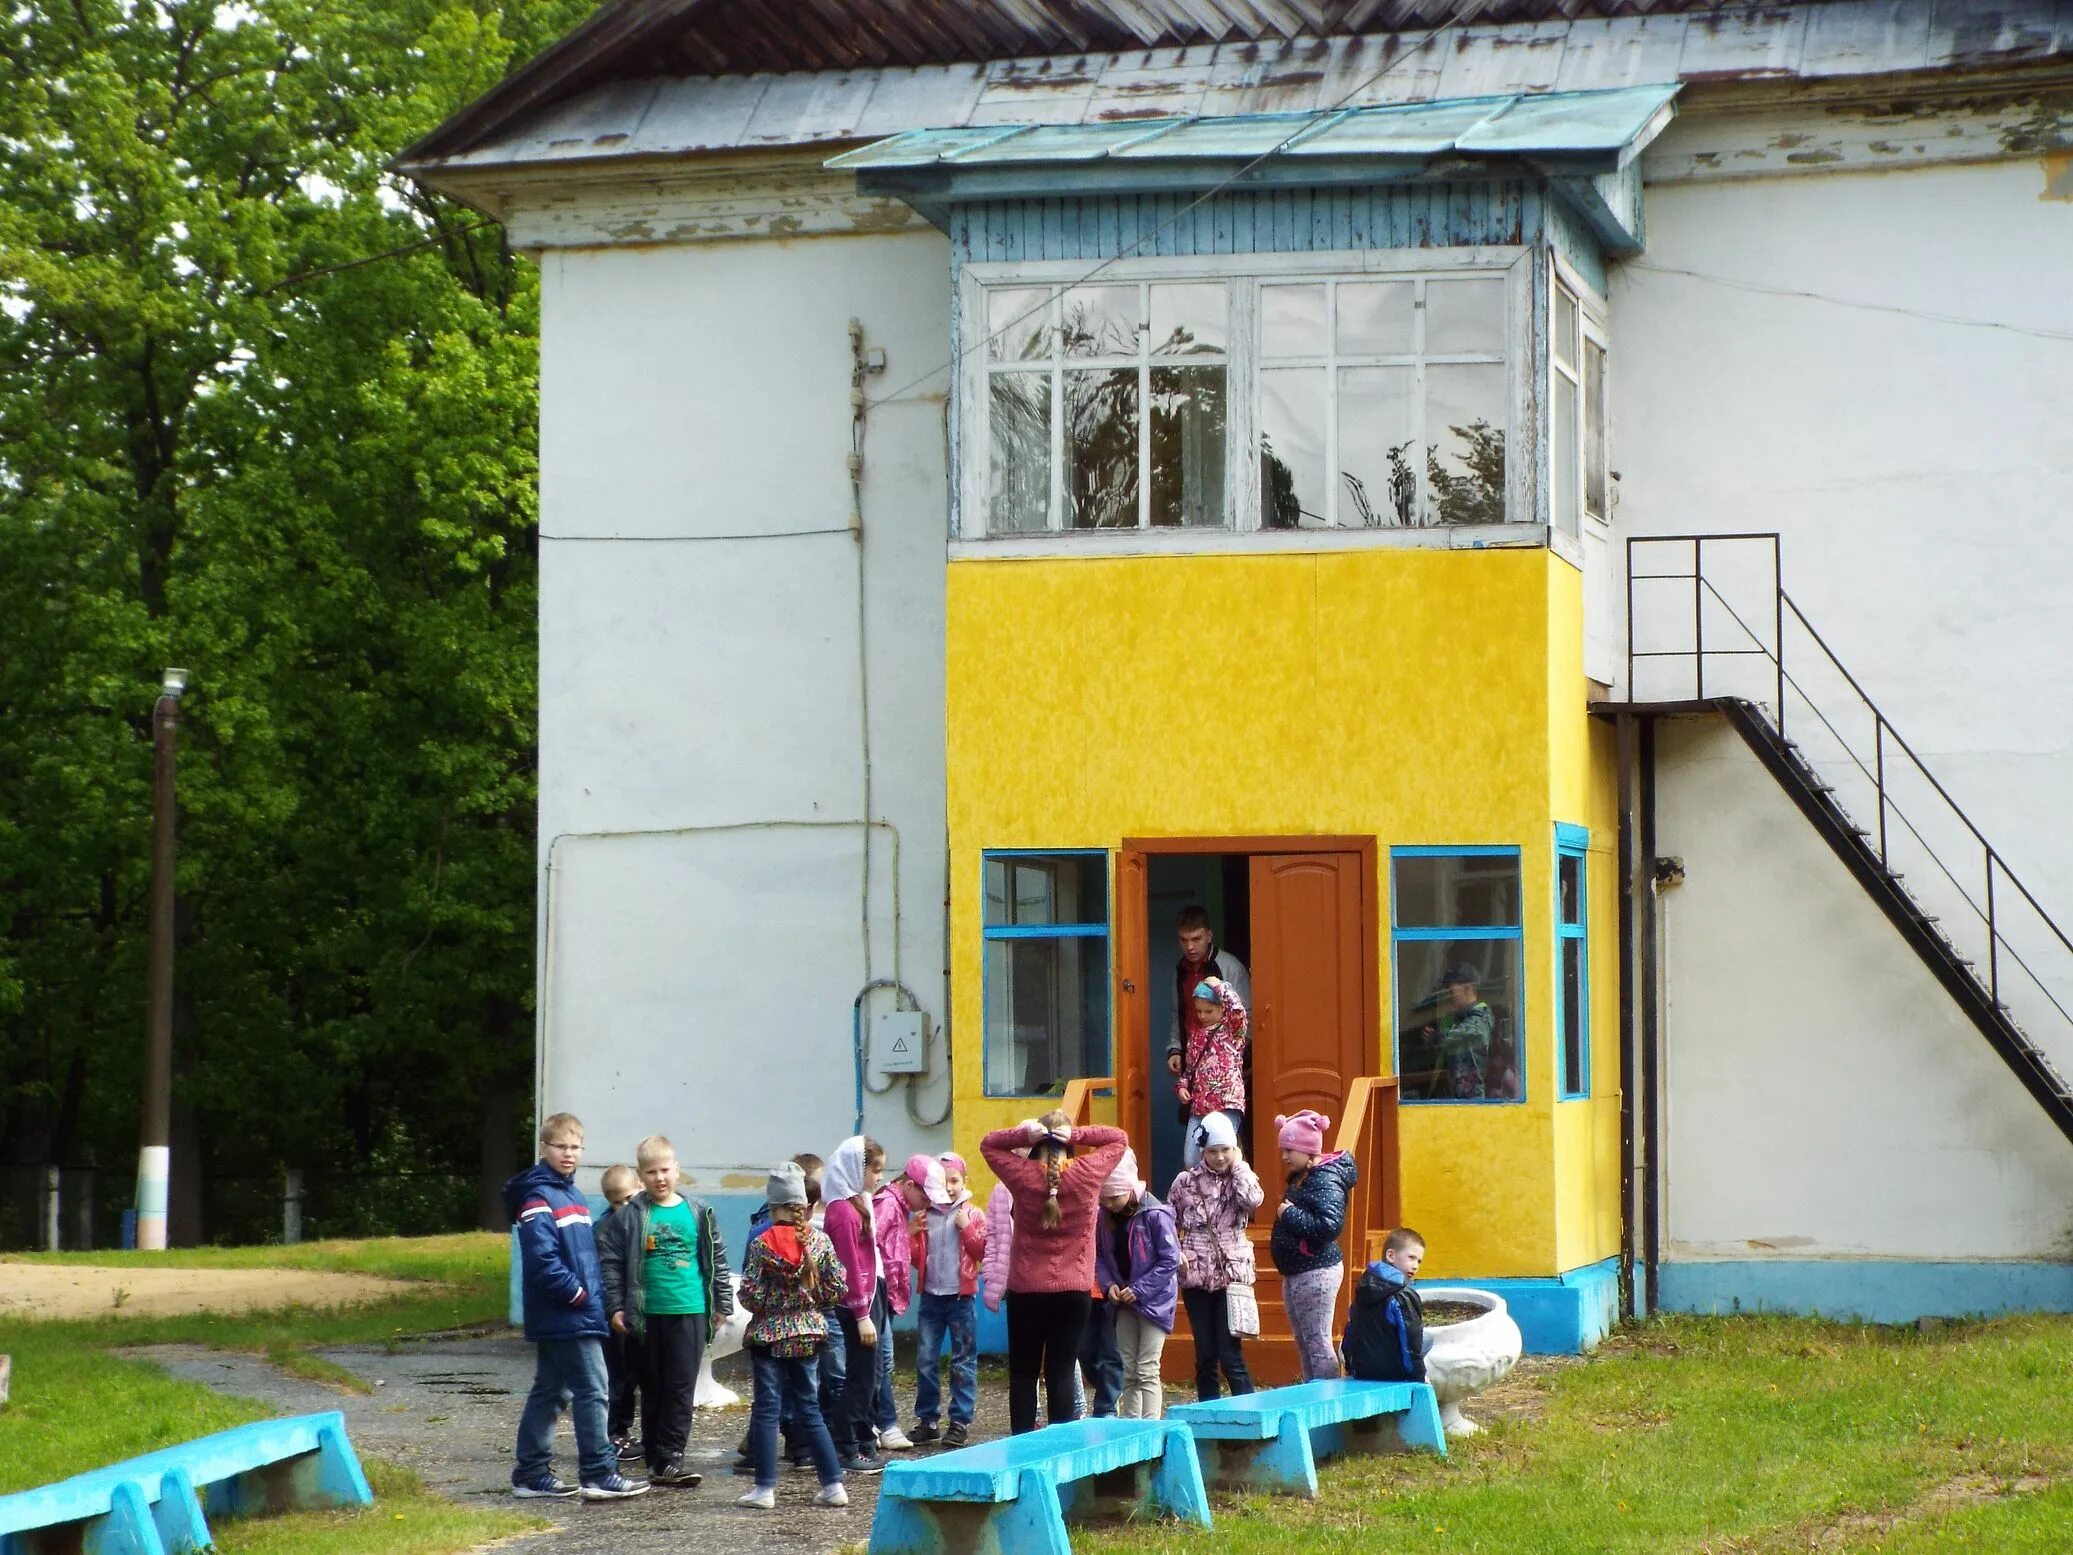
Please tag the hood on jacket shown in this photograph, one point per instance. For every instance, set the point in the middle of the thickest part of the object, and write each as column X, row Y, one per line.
column 1387, row 1272
column 843, row 1176
column 535, row 1178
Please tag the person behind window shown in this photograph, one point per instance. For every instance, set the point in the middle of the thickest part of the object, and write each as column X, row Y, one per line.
column 1462, row 1034
column 1200, row 958
column 1214, row 1064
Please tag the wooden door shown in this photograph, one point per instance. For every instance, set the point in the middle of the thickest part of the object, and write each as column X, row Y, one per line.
column 1135, row 1062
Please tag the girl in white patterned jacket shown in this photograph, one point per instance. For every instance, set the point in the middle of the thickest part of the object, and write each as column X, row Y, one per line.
column 1213, row 1203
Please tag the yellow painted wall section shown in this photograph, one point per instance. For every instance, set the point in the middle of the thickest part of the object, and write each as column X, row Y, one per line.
column 1401, row 694
column 1583, row 790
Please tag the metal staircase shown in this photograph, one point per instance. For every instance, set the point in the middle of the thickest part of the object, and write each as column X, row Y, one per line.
column 1750, row 655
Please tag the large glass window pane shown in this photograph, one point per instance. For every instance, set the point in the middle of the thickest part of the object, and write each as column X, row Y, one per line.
column 1564, row 327
column 1018, row 323
column 1377, row 318
column 1018, row 483
column 1594, row 430
column 1101, row 430
column 1457, row 891
column 1292, row 321
column 1189, row 320
column 1464, row 318
column 1464, row 434
column 1459, row 1019
column 1292, row 458
column 1187, row 432
column 1562, row 456
column 1570, row 874
column 1024, row 890
column 1378, row 480
column 1047, row 1006
column 1100, row 321
column 1574, row 1016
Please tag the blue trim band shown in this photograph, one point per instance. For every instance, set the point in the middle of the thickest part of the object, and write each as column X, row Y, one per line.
column 1563, row 1314
column 1872, row 1290
column 1514, row 932
column 1572, row 839
column 1469, row 850
column 1047, row 931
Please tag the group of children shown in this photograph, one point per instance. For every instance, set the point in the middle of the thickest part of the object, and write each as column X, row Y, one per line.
column 1092, row 1268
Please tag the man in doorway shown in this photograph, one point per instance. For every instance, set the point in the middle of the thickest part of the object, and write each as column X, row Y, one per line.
column 1200, row 958
column 1463, row 1034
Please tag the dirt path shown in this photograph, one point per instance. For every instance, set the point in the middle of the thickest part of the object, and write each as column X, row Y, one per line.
column 48, row 1290
column 447, row 1409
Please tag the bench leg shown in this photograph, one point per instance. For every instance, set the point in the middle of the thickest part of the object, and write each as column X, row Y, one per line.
column 1283, row 1465
column 1177, row 1488
column 1413, row 1429
column 1032, row 1524
column 328, row 1477
column 127, row 1528
column 178, row 1515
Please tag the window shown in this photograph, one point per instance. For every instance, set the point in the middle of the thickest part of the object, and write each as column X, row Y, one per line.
column 1576, row 438
column 1572, row 961
column 1046, row 971
column 1290, row 399
column 1459, row 949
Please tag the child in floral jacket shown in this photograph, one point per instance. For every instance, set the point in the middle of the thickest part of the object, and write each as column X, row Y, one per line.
column 790, row 1277
column 1213, row 1202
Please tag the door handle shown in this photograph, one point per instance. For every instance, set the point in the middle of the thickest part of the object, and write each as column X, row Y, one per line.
column 1129, row 986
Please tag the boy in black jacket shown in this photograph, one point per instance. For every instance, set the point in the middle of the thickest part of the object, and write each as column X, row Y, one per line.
column 1385, row 1331
column 622, row 1351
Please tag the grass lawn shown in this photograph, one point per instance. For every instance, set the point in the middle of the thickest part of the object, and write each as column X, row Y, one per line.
column 1751, row 1435
column 76, row 1406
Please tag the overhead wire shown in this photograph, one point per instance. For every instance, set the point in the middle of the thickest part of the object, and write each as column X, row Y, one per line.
column 1310, row 122
column 2037, row 331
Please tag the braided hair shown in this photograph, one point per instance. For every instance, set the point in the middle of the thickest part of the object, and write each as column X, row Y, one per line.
column 1054, row 1157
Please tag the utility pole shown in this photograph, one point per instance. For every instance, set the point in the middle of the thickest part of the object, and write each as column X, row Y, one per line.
column 155, row 1155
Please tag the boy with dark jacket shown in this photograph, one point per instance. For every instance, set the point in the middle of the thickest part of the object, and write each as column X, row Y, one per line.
column 622, row 1351
column 667, row 1282
column 1385, row 1330
column 565, row 1320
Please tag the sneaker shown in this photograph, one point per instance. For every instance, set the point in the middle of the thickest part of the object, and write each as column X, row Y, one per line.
column 763, row 1498
column 545, row 1488
column 893, row 1439
column 802, row 1465
column 614, row 1487
column 628, row 1447
column 863, row 1463
column 958, row 1434
column 924, row 1432
column 674, row 1474
column 836, row 1494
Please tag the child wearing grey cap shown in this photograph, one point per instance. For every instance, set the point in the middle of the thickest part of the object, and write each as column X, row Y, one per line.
column 790, row 1277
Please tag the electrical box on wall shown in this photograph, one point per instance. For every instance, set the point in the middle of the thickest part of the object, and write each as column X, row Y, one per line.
column 900, row 1042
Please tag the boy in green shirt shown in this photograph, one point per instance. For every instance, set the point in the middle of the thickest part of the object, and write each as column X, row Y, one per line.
column 668, row 1282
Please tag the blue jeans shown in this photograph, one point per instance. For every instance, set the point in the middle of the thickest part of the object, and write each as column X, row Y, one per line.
column 885, row 1409
column 958, row 1315
column 573, row 1369
column 832, row 1364
column 789, row 1385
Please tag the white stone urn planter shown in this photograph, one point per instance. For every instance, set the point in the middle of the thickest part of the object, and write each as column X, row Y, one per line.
column 1462, row 1359
column 726, row 1341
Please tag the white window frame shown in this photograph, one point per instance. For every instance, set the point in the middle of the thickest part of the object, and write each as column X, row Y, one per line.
column 1592, row 329
column 1244, row 274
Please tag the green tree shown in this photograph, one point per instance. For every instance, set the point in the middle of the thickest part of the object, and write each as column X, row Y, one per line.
column 228, row 442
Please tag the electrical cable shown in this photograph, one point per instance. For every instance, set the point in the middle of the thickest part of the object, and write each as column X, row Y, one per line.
column 2038, row 331
column 1309, row 124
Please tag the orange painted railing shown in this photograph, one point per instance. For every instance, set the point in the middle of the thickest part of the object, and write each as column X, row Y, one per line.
column 1078, row 1105
column 1369, row 1132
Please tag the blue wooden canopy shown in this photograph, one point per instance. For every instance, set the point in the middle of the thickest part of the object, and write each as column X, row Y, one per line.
column 1584, row 143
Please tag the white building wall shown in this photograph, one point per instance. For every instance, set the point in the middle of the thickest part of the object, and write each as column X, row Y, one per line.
column 1920, row 471
column 1825, row 1097
column 704, row 908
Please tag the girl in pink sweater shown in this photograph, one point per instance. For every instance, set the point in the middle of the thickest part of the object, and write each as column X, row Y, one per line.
column 1051, row 1262
column 848, row 1183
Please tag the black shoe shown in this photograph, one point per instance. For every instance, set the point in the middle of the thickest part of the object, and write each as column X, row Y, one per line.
column 743, row 1447
column 628, row 1447
column 958, row 1434
column 801, row 1465
column 674, row 1474
column 924, row 1432
column 745, row 1464
column 863, row 1463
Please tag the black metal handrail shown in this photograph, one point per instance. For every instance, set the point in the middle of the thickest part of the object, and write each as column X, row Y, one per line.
column 1884, row 735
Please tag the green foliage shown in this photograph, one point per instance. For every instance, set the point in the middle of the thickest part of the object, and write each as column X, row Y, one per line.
column 314, row 487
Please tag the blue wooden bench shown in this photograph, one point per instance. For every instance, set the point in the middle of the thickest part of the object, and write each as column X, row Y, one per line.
column 159, row 1504
column 1272, row 1440
column 1013, row 1497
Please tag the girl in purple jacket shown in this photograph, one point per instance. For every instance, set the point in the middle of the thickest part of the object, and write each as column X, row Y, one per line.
column 1137, row 1264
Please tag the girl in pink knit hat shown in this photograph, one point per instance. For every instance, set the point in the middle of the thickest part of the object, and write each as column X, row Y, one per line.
column 1305, row 1242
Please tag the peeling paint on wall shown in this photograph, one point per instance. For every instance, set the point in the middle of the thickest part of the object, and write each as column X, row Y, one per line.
column 2058, row 176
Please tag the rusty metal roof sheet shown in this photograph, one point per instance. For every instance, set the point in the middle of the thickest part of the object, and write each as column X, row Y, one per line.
column 590, row 98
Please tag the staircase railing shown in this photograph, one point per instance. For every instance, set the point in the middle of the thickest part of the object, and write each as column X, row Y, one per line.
column 1078, row 1103
column 1369, row 1132
column 1708, row 616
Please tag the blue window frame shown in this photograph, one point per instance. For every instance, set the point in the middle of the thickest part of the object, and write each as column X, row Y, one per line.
column 1458, row 953
column 1572, row 961
column 1046, row 975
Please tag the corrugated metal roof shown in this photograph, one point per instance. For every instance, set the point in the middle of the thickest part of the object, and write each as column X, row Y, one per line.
column 686, row 115
column 1606, row 128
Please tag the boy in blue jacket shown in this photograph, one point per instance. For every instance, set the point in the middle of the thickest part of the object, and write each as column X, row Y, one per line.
column 565, row 1320
column 1385, row 1330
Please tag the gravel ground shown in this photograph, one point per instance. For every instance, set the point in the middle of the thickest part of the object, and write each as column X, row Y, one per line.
column 448, row 1408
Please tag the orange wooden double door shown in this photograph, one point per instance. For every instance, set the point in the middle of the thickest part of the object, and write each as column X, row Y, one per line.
column 1316, row 1022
